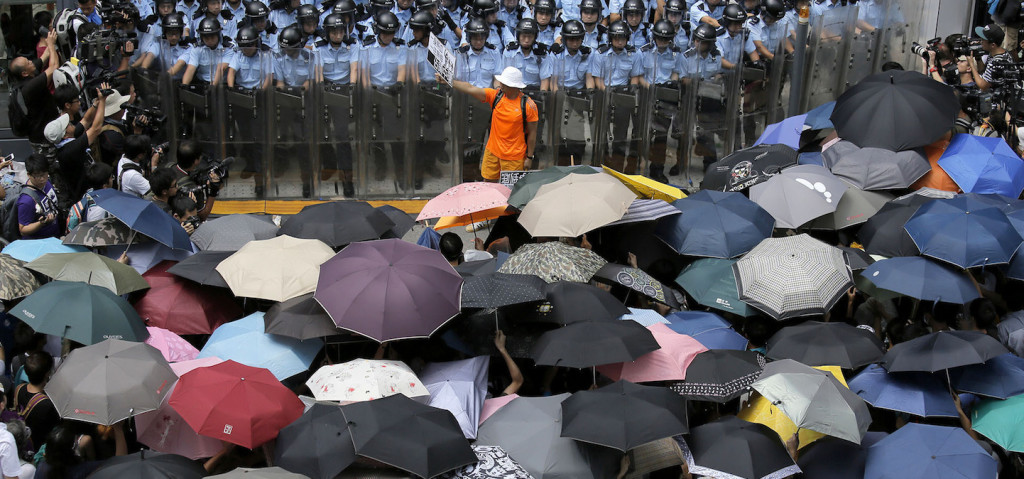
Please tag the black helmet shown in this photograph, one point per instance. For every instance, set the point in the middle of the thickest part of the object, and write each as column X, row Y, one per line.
column 172, row 20
column 482, row 8
column 248, row 36
column 675, row 6
column 664, row 29
column 633, row 6
column 387, row 4
column 421, row 19
column 208, row 26
column 385, row 22
column 734, row 13
column 257, row 9
column 573, row 29
column 476, row 26
column 544, row 6
column 618, row 28
column 306, row 12
column 290, row 37
column 423, row 4
column 705, row 33
column 334, row 20
column 344, row 7
column 527, row 26
column 590, row 5
column 774, row 8
column 164, row 2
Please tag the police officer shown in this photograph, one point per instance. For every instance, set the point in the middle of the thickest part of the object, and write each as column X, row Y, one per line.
column 285, row 16
column 573, row 66
column 338, row 55
column 347, row 10
column 429, row 131
column 403, row 10
column 163, row 8
column 477, row 65
column 172, row 51
column 510, row 12
column 257, row 14
column 661, row 73
column 189, row 8
column 703, row 62
column 547, row 24
column 736, row 41
column 293, row 75
column 617, row 74
column 633, row 12
column 675, row 13
column 206, row 60
column 250, row 72
column 487, row 11
column 215, row 9
column 376, row 8
column 769, row 30
column 595, row 33
column 443, row 26
column 531, row 58
column 308, row 19
column 706, row 11
column 384, row 59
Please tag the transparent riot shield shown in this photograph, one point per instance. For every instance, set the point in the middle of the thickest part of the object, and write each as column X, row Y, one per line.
column 246, row 109
column 736, row 88
column 686, row 169
column 292, row 113
column 383, row 118
column 661, row 110
column 429, row 120
column 200, row 102
column 902, row 18
column 714, row 91
column 621, row 134
column 544, row 149
column 574, row 125
column 825, row 61
column 860, row 60
column 336, row 137
column 776, row 92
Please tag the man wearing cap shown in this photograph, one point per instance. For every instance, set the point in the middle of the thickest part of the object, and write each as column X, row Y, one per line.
column 73, row 158
column 510, row 144
column 998, row 58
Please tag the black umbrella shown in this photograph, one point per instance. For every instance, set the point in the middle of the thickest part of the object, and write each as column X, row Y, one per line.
column 857, row 258
column 317, row 444
column 743, row 449
column 592, row 343
column 747, row 167
column 942, row 350
column 301, row 317
column 202, row 268
column 149, row 465
column 573, row 302
column 826, row 344
column 720, row 375
column 477, row 268
column 338, row 223
column 834, row 458
column 895, row 110
column 883, row 233
column 403, row 222
column 623, row 415
column 403, row 433
column 495, row 290
column 637, row 280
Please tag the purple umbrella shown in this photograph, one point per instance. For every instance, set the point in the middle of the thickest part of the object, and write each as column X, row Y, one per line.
column 389, row 289
column 460, row 387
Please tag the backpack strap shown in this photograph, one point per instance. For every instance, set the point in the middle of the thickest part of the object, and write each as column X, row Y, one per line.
column 37, row 398
column 522, row 109
column 17, row 392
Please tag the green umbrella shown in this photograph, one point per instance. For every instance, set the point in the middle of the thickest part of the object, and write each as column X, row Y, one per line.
column 90, row 268
column 712, row 283
column 80, row 312
column 527, row 186
column 15, row 280
column 1000, row 420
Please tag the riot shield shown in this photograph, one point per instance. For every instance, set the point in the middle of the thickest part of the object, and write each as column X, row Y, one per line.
column 825, row 61
column 337, row 143
column 247, row 111
column 574, row 126
column 685, row 169
column 292, row 113
column 898, row 27
column 429, row 126
column 776, row 94
column 200, row 104
column 860, row 60
column 383, row 117
column 543, row 149
column 714, row 92
column 663, row 109
column 621, row 135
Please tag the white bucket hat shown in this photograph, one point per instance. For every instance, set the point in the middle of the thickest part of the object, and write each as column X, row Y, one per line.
column 511, row 77
column 54, row 130
column 114, row 102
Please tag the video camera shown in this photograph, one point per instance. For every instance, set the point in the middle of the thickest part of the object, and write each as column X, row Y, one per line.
column 976, row 103
column 118, row 80
column 203, row 188
column 964, row 46
column 149, row 119
column 105, row 45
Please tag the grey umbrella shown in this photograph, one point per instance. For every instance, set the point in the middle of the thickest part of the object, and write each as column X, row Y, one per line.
column 856, row 207
column 260, row 473
column 403, row 222
column 875, row 168
column 110, row 381
column 799, row 194
column 231, row 232
column 202, row 268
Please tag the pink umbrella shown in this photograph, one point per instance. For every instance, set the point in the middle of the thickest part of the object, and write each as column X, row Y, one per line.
column 492, row 405
column 465, row 198
column 164, row 430
column 666, row 364
column 171, row 345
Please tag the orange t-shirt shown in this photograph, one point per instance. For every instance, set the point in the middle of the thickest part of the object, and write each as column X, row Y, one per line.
column 507, row 139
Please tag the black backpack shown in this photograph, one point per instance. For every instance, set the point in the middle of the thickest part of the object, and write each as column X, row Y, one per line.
column 522, row 108
column 17, row 113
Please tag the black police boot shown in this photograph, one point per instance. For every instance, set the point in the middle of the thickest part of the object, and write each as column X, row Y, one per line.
column 658, row 173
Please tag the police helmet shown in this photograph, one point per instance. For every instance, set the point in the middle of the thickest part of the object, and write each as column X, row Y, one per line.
column 618, row 28
column 306, row 12
column 334, row 20
column 165, row 2
column 663, row 29
column 527, row 26
column 482, row 8
column 705, row 33
column 573, row 29
column 344, row 7
column 544, row 6
column 675, row 6
column 421, row 19
column 590, row 6
column 424, row 4
column 248, row 36
column 172, row 21
column 257, row 9
column 734, row 13
column 290, row 37
column 774, row 8
column 633, row 6
column 208, row 26
column 385, row 22
column 476, row 26
column 385, row 4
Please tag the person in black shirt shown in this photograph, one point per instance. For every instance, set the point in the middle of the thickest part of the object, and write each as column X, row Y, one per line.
column 73, row 157
column 35, row 88
column 31, row 402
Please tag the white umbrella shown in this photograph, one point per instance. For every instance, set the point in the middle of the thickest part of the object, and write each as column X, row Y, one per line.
column 366, row 380
column 277, row 269
column 575, row 205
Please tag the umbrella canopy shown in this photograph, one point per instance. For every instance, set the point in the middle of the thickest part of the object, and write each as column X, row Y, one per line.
column 875, row 168
column 235, row 403
column 856, row 207
column 984, row 165
column 80, row 312
column 575, row 205
column 574, row 302
column 592, row 343
column 108, row 231
column 712, row 283
column 818, row 117
column 895, row 110
column 143, row 257
column 623, row 415
column 835, row 458
column 748, row 167
column 637, row 280
column 857, row 259
column 739, row 448
column 465, row 198
column 715, row 224
column 645, row 210
column 260, row 473
column 919, row 278
column 799, row 194
column 786, row 132
column 710, row 329
column 493, row 463
column 816, row 343
column 403, row 222
column 942, row 350
column 170, row 345
column 999, row 377
column 337, row 223
column 883, row 233
column 365, row 380
column 164, row 430
column 926, row 451
column 792, row 276
column 202, row 268
column 90, row 268
column 110, row 381
column 814, row 399
column 486, row 215
column 526, row 188
column 277, row 269
column 495, row 290
column 645, row 187
column 1000, row 422
column 317, row 444
column 15, row 280
column 554, row 261
column 669, row 363
column 231, row 232
column 408, row 435
column 149, row 465
column 389, row 289
column 183, row 306
column 937, row 178
column 1011, row 332
column 245, row 342
column 646, row 317
column 460, row 387
column 301, row 318
column 143, row 216
column 920, row 394
column 720, row 375
column 964, row 231
column 28, row 250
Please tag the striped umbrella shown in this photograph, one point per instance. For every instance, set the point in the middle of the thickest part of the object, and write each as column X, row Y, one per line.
column 646, row 210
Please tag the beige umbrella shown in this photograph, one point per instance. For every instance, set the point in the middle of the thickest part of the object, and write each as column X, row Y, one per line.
column 575, row 205
column 277, row 269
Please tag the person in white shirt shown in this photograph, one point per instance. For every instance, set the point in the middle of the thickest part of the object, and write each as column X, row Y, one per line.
column 10, row 465
column 131, row 174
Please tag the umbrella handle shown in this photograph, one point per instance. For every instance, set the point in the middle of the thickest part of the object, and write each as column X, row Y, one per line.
column 131, row 238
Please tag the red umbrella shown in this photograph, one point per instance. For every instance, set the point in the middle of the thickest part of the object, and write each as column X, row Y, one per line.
column 182, row 306
column 234, row 402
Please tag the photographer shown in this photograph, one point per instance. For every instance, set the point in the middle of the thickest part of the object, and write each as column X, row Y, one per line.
column 131, row 174
column 189, row 156
column 34, row 83
column 998, row 58
column 164, row 186
column 183, row 209
column 72, row 141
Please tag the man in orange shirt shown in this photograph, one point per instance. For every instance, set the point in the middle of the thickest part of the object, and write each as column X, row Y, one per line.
column 513, row 134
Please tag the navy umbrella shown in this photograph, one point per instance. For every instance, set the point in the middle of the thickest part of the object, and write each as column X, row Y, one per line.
column 983, row 165
column 495, row 290
column 883, row 233
column 917, row 393
column 1000, row 377
column 715, row 224
column 919, row 278
column 942, row 350
column 143, row 216
column 926, row 451
column 818, row 118
column 964, row 231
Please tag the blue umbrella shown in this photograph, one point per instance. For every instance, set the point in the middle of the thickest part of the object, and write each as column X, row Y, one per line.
column 459, row 387
column 28, row 250
column 983, row 165
column 709, row 328
column 999, row 377
column 715, row 224
column 920, row 394
column 810, row 158
column 143, row 216
column 245, row 342
column 964, row 231
column 645, row 317
column 919, row 278
column 786, row 132
column 721, row 338
column 820, row 118
column 928, row 452
column 143, row 257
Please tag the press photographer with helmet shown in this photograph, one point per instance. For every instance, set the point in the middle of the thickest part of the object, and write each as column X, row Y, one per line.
column 201, row 184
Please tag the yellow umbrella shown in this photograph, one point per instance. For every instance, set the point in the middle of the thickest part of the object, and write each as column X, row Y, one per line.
column 761, row 410
column 468, row 219
column 646, row 187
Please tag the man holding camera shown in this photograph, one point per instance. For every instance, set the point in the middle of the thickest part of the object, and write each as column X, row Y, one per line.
column 190, row 154
column 131, row 175
column 999, row 60
column 72, row 142
column 34, row 83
